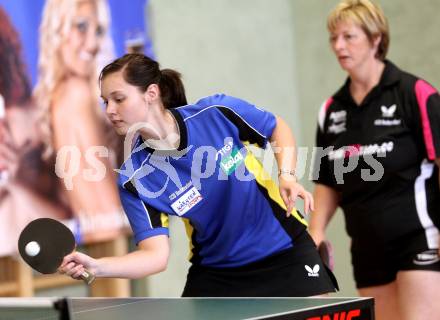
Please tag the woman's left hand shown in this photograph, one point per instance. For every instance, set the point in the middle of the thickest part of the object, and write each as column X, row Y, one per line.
column 290, row 190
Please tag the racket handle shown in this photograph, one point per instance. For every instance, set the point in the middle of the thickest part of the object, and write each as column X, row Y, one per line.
column 87, row 277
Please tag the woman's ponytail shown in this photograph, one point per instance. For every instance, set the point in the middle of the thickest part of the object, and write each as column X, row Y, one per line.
column 172, row 89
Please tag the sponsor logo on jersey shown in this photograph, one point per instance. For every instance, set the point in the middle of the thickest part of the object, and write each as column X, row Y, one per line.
column 388, row 112
column 230, row 162
column 387, row 122
column 426, row 258
column 312, row 272
column 338, row 116
column 338, row 119
column 224, row 150
column 174, row 195
column 337, row 128
column 361, row 150
column 187, row 201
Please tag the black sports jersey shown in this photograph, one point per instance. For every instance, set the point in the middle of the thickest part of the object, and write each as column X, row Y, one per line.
column 379, row 156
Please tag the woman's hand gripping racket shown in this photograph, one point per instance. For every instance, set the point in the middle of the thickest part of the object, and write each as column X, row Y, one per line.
column 44, row 243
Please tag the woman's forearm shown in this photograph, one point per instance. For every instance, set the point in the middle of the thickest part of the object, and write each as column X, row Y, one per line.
column 284, row 146
column 134, row 265
column 326, row 203
column 150, row 258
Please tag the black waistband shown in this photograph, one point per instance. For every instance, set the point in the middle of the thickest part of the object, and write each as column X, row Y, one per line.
column 278, row 259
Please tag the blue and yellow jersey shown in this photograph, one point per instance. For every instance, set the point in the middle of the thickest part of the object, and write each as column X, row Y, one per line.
column 232, row 209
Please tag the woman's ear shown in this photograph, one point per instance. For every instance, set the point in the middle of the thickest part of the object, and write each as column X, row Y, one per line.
column 376, row 41
column 152, row 93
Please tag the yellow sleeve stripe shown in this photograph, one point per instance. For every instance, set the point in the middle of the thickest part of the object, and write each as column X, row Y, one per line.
column 189, row 232
column 265, row 180
column 164, row 220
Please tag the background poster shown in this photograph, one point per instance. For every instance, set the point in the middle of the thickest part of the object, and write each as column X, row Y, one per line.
column 57, row 149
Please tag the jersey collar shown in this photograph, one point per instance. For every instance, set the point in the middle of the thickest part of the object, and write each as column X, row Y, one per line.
column 390, row 76
column 182, row 129
column 181, row 149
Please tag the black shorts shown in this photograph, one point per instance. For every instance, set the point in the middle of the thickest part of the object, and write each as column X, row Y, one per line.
column 377, row 263
column 296, row 272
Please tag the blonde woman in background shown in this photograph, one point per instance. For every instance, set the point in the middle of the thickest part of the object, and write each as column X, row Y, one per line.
column 27, row 182
column 388, row 121
column 74, row 127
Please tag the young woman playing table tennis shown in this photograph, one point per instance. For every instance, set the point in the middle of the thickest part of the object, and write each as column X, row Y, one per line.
column 192, row 161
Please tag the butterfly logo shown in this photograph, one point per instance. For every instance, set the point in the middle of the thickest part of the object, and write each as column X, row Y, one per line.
column 312, row 272
column 388, row 112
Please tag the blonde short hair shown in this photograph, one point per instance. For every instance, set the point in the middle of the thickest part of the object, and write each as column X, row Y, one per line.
column 367, row 15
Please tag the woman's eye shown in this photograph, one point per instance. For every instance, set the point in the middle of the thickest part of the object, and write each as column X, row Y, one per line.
column 100, row 31
column 82, row 26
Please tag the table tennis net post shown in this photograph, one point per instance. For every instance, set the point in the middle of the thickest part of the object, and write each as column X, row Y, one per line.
column 64, row 308
column 55, row 308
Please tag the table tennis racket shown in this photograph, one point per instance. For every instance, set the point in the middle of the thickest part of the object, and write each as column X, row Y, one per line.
column 325, row 250
column 54, row 240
